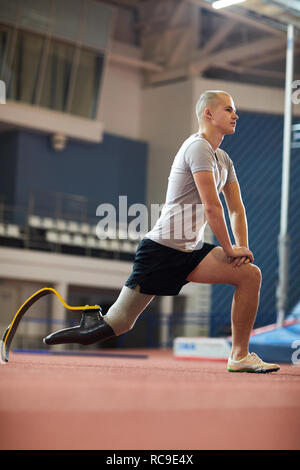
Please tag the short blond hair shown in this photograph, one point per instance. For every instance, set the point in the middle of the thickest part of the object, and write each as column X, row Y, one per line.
column 209, row 98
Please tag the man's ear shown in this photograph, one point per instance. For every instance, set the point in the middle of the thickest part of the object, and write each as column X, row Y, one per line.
column 207, row 114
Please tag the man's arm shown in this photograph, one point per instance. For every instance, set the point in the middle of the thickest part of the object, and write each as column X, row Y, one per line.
column 213, row 208
column 237, row 213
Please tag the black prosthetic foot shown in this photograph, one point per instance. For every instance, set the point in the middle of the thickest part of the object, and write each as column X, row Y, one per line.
column 92, row 328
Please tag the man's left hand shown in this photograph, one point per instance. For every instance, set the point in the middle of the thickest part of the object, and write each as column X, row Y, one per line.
column 237, row 262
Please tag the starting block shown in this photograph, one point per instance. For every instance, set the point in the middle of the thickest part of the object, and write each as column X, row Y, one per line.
column 206, row 349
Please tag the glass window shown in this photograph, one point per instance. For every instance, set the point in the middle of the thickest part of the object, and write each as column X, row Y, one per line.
column 57, row 76
column 97, row 25
column 5, row 41
column 35, row 14
column 9, row 10
column 66, row 25
column 50, row 73
column 87, row 84
column 25, row 67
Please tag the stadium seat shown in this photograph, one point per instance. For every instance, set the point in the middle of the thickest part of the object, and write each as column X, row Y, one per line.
column 13, row 231
column 65, row 239
column 91, row 242
column 73, row 226
column 52, row 236
column 35, row 221
column 85, row 229
column 61, row 225
column 79, row 240
column 48, row 223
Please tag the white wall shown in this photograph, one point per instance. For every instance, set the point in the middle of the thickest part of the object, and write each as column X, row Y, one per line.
column 165, row 123
column 37, row 266
column 120, row 101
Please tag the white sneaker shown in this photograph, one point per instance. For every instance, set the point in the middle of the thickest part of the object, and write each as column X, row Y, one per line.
column 251, row 363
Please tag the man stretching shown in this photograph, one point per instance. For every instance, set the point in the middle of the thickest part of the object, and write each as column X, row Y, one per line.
column 173, row 252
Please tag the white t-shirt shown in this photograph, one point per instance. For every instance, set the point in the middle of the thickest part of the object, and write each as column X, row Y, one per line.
column 182, row 221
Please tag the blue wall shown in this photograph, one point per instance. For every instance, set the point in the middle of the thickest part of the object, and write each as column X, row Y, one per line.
column 101, row 172
column 8, row 167
column 256, row 150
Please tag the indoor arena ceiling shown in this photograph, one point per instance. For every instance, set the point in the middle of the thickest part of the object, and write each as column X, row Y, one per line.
column 178, row 39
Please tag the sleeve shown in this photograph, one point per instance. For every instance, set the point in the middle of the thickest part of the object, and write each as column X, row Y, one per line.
column 199, row 157
column 231, row 176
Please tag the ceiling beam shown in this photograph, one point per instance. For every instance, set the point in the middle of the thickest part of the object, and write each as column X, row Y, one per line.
column 233, row 54
column 178, row 13
column 137, row 63
column 239, row 17
column 273, row 57
column 182, row 48
column 218, row 37
column 252, row 71
column 122, row 3
column 131, row 56
column 291, row 6
column 226, row 57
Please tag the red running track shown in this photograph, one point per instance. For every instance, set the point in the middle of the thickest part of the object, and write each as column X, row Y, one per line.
column 52, row 402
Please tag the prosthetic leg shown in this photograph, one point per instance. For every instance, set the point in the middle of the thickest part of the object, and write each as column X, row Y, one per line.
column 94, row 327
column 91, row 311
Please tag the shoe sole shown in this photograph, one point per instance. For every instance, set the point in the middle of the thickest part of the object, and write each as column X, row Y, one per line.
column 253, row 371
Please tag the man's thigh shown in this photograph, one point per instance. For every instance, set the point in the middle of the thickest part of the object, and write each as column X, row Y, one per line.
column 215, row 269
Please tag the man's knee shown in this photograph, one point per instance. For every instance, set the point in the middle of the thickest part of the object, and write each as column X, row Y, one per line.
column 123, row 314
column 252, row 274
column 119, row 321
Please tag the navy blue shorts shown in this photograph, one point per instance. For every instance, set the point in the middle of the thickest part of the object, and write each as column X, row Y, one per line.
column 160, row 270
